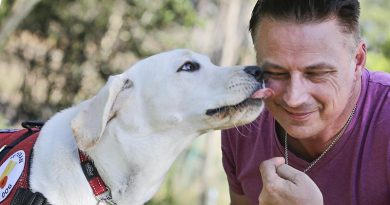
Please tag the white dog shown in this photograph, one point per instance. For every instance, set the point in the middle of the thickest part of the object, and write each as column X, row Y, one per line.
column 137, row 124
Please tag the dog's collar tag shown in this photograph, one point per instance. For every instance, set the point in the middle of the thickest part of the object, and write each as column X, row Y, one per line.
column 10, row 172
column 89, row 170
column 105, row 202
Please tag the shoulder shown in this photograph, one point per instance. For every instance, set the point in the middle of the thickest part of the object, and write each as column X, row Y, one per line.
column 378, row 78
column 375, row 99
column 377, row 86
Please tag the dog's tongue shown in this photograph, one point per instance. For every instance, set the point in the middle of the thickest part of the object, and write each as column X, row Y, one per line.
column 262, row 93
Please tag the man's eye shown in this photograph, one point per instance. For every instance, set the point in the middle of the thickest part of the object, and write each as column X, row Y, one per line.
column 317, row 74
column 275, row 75
column 189, row 66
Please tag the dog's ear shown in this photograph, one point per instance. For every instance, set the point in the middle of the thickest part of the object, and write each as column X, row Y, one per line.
column 89, row 124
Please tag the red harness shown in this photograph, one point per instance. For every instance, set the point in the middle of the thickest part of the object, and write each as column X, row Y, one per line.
column 12, row 143
column 16, row 147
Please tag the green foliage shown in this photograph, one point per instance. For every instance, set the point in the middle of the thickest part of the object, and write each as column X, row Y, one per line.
column 376, row 30
column 386, row 47
column 377, row 61
column 72, row 40
column 5, row 7
column 165, row 12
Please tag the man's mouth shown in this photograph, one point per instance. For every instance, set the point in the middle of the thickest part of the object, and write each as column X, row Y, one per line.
column 300, row 116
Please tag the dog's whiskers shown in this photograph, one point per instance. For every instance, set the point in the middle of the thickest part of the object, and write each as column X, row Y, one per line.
column 236, row 127
column 248, row 127
column 256, row 126
column 238, row 130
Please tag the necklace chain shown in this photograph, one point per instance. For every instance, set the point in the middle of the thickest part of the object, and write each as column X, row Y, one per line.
column 327, row 148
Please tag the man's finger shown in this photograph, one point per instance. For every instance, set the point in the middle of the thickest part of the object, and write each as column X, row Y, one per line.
column 268, row 169
column 291, row 174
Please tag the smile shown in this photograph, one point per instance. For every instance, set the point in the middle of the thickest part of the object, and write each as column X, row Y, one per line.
column 299, row 116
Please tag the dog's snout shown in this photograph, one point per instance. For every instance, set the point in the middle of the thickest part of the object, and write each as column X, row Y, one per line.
column 255, row 71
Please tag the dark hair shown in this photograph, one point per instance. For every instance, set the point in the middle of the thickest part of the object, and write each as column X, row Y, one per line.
column 347, row 12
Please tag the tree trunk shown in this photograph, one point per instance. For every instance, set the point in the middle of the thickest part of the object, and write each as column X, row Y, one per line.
column 20, row 10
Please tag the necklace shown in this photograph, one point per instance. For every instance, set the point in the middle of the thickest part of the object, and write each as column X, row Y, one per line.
column 327, row 148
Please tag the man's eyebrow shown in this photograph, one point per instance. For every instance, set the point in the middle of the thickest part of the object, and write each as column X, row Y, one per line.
column 317, row 66
column 321, row 66
column 268, row 65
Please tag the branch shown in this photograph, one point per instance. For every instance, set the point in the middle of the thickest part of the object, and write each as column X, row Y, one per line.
column 20, row 10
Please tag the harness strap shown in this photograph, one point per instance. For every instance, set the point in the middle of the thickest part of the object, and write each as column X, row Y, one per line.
column 6, row 148
column 100, row 189
column 29, row 125
column 26, row 197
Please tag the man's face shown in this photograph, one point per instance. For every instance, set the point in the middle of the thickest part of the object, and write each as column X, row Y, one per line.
column 314, row 70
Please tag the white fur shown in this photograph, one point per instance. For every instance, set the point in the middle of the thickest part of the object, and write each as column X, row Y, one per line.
column 136, row 126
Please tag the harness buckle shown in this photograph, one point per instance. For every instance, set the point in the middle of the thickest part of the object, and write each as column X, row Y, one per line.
column 3, row 147
column 105, row 198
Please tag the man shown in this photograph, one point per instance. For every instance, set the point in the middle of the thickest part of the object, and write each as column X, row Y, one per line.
column 324, row 137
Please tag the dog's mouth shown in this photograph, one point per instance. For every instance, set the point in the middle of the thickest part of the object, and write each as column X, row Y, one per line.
column 253, row 100
column 233, row 108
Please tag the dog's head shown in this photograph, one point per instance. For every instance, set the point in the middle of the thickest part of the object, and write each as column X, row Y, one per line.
column 177, row 89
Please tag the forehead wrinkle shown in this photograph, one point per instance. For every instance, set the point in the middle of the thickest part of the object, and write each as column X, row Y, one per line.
column 316, row 66
column 322, row 65
column 290, row 31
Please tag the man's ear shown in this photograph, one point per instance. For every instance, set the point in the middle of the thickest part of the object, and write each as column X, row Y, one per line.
column 361, row 55
column 89, row 124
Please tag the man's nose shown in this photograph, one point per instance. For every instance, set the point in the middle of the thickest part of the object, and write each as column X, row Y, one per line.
column 296, row 93
column 255, row 71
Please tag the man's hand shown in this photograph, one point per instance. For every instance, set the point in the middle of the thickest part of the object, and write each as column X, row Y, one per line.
column 282, row 184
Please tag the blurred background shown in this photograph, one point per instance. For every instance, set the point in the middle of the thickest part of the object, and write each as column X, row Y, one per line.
column 57, row 53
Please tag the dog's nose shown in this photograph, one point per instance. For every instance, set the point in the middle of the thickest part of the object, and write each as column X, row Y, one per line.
column 255, row 71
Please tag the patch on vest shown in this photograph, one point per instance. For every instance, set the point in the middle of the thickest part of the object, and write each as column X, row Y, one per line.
column 10, row 172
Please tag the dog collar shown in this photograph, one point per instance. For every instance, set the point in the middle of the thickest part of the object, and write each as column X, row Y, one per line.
column 100, row 190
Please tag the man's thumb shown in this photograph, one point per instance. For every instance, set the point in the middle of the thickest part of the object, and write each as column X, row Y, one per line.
column 291, row 174
column 268, row 168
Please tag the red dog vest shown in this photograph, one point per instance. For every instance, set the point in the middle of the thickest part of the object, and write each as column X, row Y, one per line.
column 15, row 154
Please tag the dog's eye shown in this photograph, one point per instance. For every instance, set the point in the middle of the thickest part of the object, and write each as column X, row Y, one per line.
column 189, row 66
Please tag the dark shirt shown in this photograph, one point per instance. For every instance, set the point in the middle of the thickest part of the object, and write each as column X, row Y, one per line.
column 355, row 171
